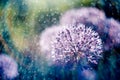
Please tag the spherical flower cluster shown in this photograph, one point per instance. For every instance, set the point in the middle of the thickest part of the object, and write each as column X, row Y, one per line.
column 46, row 37
column 75, row 42
column 8, row 67
column 83, row 15
column 114, row 31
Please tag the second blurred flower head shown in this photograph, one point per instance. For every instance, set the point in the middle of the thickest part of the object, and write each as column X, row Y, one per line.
column 8, row 67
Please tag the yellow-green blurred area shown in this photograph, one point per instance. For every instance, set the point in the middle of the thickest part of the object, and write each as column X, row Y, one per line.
column 25, row 19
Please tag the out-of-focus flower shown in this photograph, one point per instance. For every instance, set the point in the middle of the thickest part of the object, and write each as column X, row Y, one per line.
column 46, row 37
column 75, row 42
column 114, row 31
column 8, row 67
column 83, row 15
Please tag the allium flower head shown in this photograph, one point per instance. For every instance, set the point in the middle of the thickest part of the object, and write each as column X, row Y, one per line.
column 83, row 15
column 45, row 39
column 8, row 67
column 75, row 42
column 114, row 31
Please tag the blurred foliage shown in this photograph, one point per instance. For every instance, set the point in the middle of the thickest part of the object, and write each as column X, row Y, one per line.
column 112, row 8
column 18, row 25
column 45, row 19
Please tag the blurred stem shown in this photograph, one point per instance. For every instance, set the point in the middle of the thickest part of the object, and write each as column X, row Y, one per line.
column 5, row 45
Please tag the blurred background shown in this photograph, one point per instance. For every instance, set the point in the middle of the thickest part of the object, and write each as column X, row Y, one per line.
column 21, row 23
